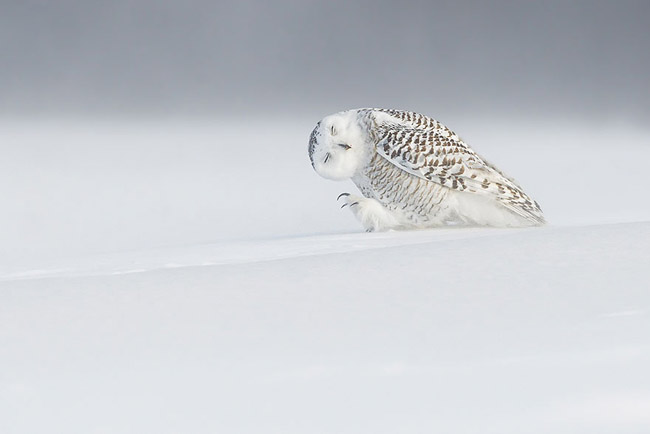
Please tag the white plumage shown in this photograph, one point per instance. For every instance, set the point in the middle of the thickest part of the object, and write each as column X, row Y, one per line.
column 414, row 172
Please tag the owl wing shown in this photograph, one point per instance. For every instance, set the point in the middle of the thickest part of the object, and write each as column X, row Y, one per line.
column 433, row 152
column 423, row 122
column 406, row 118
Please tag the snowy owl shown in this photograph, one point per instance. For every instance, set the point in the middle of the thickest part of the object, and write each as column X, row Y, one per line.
column 414, row 172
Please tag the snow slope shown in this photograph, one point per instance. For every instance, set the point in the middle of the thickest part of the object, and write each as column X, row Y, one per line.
column 151, row 283
column 74, row 187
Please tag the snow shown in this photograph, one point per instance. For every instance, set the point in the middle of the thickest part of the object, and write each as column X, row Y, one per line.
column 199, row 277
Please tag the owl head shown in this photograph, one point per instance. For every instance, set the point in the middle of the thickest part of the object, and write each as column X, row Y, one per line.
column 338, row 146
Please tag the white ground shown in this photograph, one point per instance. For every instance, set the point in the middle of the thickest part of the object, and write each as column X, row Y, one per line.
column 191, row 277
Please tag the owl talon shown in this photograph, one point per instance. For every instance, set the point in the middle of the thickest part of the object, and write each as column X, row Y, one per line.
column 419, row 175
column 370, row 212
column 349, row 204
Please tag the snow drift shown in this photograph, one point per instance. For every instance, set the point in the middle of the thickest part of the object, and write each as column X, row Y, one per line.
column 186, row 277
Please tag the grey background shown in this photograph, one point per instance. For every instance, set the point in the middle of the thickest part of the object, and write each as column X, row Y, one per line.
column 586, row 59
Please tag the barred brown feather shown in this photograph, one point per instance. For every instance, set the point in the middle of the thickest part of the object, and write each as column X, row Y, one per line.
column 427, row 149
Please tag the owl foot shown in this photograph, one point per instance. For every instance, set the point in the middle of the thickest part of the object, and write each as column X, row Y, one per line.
column 370, row 212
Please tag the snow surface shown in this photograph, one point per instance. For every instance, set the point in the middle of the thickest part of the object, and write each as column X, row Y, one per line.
column 197, row 277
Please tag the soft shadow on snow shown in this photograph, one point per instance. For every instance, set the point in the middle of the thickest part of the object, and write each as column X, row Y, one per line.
column 240, row 252
column 538, row 330
column 250, row 251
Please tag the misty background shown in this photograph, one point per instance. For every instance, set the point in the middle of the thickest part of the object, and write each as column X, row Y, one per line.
column 135, row 124
column 583, row 59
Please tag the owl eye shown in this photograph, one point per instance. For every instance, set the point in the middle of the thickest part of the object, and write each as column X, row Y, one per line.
column 344, row 146
column 333, row 130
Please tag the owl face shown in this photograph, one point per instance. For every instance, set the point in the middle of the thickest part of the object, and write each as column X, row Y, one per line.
column 337, row 146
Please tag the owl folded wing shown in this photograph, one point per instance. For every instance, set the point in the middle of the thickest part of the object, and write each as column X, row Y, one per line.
column 435, row 153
